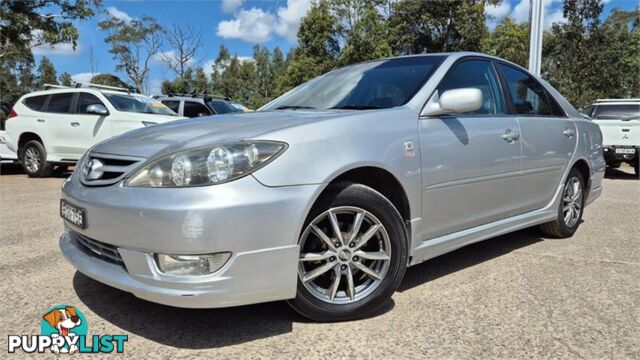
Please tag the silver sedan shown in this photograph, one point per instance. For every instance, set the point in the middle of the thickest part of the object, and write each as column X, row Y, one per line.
column 327, row 194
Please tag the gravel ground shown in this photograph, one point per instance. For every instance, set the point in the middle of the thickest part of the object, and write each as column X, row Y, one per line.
column 514, row 296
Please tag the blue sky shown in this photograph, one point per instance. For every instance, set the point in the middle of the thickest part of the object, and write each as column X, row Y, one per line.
column 238, row 24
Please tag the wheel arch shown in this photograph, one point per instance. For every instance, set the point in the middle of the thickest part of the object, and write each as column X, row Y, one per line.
column 585, row 170
column 27, row 136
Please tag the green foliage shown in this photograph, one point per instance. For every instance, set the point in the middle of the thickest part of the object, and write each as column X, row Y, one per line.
column 367, row 40
column 65, row 79
column 46, row 73
column 26, row 24
column 418, row 26
column 133, row 43
column 509, row 41
column 109, row 80
column 586, row 59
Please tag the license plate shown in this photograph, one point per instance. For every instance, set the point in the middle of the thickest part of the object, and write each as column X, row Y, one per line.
column 625, row 151
column 73, row 214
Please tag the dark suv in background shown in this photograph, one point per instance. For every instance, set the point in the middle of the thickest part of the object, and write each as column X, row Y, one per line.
column 200, row 105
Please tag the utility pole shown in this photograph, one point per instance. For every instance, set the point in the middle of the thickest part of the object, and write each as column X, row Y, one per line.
column 536, row 15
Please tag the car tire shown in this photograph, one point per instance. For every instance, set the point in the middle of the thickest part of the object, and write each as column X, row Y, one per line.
column 566, row 224
column 34, row 160
column 364, row 294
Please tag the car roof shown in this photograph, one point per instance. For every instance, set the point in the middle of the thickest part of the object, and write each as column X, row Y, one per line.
column 73, row 90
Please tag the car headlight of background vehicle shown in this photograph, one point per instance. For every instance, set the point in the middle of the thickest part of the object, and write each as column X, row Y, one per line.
column 208, row 165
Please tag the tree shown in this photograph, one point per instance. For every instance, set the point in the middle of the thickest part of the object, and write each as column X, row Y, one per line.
column 65, row 79
column 576, row 44
column 418, row 26
column 46, row 73
column 184, row 42
column 367, row 40
column 509, row 41
column 133, row 43
column 109, row 80
column 26, row 24
column 318, row 47
column 200, row 82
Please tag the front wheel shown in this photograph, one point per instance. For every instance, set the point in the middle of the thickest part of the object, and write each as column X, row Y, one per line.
column 570, row 209
column 34, row 160
column 353, row 255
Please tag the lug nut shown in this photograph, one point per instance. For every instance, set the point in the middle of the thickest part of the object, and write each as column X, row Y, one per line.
column 352, row 244
column 343, row 267
column 355, row 258
column 333, row 258
column 337, row 244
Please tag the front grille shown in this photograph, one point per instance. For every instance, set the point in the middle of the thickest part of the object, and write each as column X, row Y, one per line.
column 99, row 249
column 112, row 168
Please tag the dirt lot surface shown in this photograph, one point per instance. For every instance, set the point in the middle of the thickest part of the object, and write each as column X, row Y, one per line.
column 515, row 296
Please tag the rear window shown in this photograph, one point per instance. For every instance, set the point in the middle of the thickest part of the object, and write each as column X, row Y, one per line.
column 223, row 107
column 35, row 102
column 617, row 112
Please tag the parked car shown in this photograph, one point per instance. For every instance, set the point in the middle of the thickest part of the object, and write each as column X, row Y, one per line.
column 199, row 105
column 6, row 155
column 619, row 121
column 324, row 196
column 55, row 127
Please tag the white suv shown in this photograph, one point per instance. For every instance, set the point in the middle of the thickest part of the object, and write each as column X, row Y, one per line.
column 619, row 121
column 55, row 127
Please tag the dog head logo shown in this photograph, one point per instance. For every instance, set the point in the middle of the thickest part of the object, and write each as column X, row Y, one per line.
column 63, row 319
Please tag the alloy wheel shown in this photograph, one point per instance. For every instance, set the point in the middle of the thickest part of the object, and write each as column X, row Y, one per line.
column 572, row 201
column 32, row 159
column 344, row 255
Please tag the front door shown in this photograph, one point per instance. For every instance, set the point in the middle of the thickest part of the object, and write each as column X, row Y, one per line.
column 86, row 129
column 470, row 162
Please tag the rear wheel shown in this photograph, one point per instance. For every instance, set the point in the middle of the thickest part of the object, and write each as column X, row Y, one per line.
column 353, row 255
column 570, row 209
column 34, row 160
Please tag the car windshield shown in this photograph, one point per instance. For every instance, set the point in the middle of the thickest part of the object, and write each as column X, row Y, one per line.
column 369, row 85
column 617, row 112
column 139, row 104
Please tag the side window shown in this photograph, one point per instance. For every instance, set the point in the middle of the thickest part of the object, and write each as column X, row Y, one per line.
column 477, row 74
column 172, row 104
column 86, row 99
column 587, row 110
column 35, row 102
column 60, row 103
column 529, row 97
column 194, row 109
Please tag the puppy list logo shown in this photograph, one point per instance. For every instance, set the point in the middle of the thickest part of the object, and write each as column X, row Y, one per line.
column 64, row 330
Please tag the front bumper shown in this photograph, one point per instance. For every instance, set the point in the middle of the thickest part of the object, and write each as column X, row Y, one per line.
column 258, row 224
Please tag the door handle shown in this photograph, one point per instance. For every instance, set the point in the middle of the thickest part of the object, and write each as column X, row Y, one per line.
column 75, row 123
column 40, row 120
column 569, row 133
column 510, row 136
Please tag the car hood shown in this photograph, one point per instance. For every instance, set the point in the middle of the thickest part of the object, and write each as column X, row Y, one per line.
column 173, row 136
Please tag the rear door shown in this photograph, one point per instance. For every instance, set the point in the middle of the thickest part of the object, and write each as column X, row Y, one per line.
column 548, row 138
column 471, row 161
column 63, row 141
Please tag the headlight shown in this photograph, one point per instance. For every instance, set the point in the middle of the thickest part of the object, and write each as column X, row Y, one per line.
column 191, row 264
column 207, row 165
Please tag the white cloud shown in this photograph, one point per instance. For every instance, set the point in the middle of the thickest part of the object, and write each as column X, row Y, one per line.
column 230, row 6
column 84, row 78
column 253, row 25
column 495, row 13
column 118, row 14
column 257, row 26
column 552, row 12
column 58, row 49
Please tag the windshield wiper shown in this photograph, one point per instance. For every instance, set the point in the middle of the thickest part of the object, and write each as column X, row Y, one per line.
column 357, row 107
column 294, row 107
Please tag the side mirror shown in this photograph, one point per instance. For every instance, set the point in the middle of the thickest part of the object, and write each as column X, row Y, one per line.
column 97, row 109
column 455, row 101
